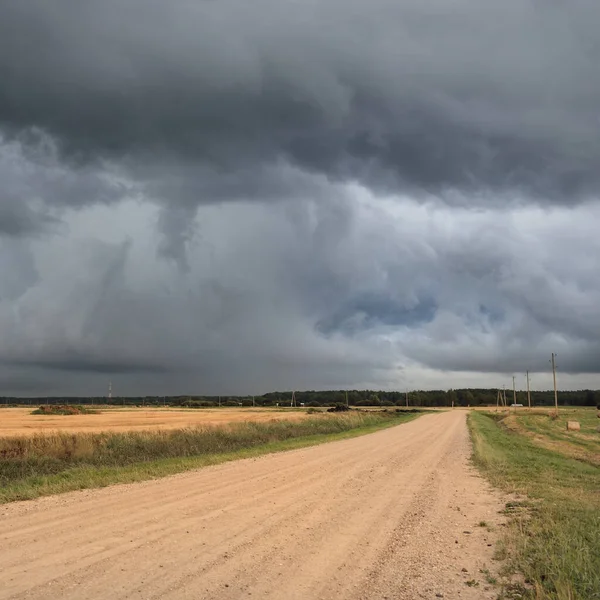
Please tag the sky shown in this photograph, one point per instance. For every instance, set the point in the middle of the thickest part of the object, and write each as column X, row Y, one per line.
column 232, row 197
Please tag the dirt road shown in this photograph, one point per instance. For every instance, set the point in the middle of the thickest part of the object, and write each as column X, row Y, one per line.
column 20, row 421
column 390, row 515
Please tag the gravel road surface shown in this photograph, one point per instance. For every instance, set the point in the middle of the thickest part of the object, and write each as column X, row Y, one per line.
column 393, row 514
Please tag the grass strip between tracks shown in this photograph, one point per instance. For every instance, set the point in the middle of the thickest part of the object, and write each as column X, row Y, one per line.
column 50, row 464
column 553, row 534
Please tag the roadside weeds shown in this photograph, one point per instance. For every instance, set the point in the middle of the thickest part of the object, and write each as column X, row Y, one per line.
column 50, row 464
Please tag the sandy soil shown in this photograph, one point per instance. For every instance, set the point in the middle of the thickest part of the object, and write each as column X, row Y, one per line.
column 389, row 515
column 20, row 421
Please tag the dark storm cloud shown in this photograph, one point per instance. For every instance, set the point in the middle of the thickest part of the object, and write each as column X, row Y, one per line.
column 75, row 361
column 17, row 218
column 178, row 228
column 18, row 271
column 486, row 97
column 22, row 383
column 290, row 155
column 36, row 187
column 306, row 295
column 370, row 311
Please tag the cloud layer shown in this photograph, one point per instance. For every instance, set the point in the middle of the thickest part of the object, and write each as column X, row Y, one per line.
column 217, row 196
column 367, row 292
column 477, row 96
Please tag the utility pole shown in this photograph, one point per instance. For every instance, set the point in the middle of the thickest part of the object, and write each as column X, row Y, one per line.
column 554, row 379
column 514, row 395
column 406, row 398
column 348, row 405
column 528, row 394
column 504, row 393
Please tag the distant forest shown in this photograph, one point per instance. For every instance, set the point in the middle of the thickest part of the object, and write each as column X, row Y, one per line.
column 460, row 397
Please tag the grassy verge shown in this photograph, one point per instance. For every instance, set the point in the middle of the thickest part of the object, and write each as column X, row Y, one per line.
column 553, row 537
column 49, row 464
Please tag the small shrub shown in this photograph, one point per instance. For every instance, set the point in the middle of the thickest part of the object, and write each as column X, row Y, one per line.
column 338, row 407
column 64, row 409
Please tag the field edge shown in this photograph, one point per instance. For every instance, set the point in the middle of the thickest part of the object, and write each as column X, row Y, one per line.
column 89, row 477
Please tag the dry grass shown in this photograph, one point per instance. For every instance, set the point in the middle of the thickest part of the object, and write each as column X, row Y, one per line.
column 20, row 421
column 41, row 464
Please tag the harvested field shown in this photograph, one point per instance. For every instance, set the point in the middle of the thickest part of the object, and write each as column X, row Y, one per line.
column 20, row 421
column 548, row 431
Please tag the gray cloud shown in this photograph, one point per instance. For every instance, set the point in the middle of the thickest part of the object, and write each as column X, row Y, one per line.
column 481, row 97
column 225, row 198
column 18, row 271
column 37, row 186
column 18, row 218
column 311, row 295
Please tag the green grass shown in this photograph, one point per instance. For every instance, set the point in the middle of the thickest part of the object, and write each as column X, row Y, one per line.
column 553, row 537
column 48, row 464
column 552, row 433
column 489, row 578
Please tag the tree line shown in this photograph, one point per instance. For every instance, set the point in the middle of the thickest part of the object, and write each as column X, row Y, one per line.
column 421, row 398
